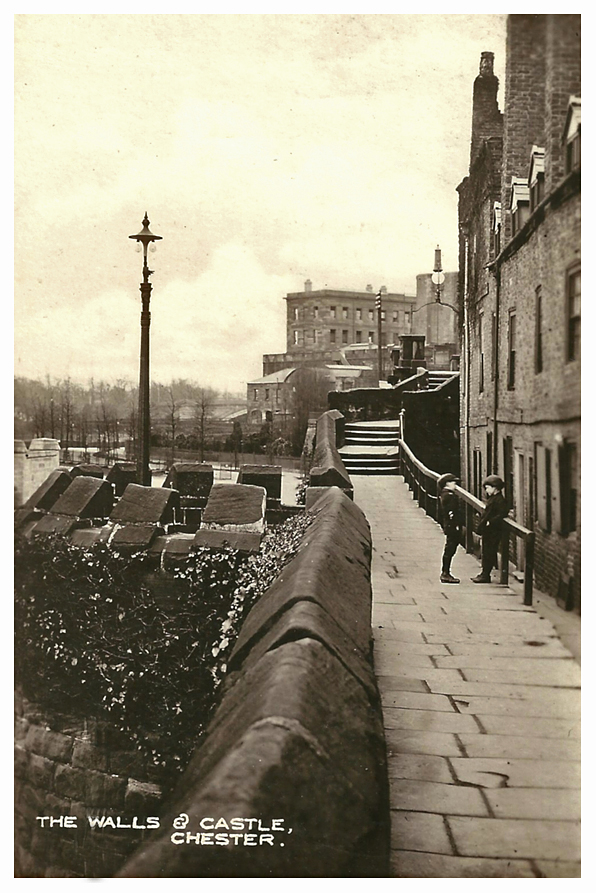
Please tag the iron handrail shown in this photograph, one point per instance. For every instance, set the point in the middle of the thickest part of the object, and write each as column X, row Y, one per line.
column 419, row 479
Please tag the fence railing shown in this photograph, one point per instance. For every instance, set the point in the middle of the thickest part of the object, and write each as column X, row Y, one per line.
column 422, row 481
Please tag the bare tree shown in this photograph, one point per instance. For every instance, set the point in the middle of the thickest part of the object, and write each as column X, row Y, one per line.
column 204, row 409
column 173, row 417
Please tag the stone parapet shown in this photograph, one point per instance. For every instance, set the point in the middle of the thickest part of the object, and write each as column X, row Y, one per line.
column 296, row 747
column 327, row 469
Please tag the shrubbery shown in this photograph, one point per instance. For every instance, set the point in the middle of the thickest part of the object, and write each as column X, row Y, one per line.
column 106, row 636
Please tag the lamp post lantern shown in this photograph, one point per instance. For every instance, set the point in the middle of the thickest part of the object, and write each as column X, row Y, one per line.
column 145, row 237
column 379, row 308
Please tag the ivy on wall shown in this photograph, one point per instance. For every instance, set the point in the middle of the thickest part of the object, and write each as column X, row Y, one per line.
column 102, row 635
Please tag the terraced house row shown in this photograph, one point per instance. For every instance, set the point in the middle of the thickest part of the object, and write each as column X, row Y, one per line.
column 519, row 291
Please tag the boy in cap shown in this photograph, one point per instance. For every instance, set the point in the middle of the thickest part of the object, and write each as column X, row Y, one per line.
column 450, row 518
column 490, row 526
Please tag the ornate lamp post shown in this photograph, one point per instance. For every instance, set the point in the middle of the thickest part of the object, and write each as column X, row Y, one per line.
column 144, row 238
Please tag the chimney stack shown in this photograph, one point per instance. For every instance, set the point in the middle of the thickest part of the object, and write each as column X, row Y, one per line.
column 487, row 120
column 308, row 285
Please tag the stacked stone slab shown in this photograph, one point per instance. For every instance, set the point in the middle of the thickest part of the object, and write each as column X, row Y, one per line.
column 121, row 475
column 190, row 479
column 234, row 516
column 328, row 470
column 298, row 736
column 86, row 499
column 89, row 470
column 141, row 514
column 267, row 476
column 42, row 500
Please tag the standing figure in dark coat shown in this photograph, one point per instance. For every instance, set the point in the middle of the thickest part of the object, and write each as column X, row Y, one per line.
column 490, row 526
column 451, row 522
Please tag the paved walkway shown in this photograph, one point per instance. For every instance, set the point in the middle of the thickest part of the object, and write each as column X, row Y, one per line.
column 481, row 707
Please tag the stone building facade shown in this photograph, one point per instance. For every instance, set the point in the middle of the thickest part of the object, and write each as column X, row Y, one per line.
column 519, row 242
column 321, row 324
column 438, row 322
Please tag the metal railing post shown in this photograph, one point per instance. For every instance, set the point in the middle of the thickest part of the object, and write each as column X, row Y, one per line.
column 529, row 570
column 469, row 528
column 505, row 557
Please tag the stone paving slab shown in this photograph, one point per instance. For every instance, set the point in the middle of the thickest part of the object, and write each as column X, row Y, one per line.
column 559, row 676
column 425, row 767
column 561, row 868
column 529, row 803
column 416, row 700
column 524, row 749
column 531, row 725
column 517, row 773
column 430, row 796
column 515, row 838
column 406, row 741
column 483, row 751
column 429, row 721
column 420, row 831
column 544, row 650
column 430, row 865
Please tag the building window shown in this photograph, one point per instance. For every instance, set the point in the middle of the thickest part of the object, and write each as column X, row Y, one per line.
column 569, row 482
column 573, row 313
column 395, row 337
column 383, row 315
column 295, row 312
column 315, row 312
column 359, row 337
column 536, row 177
column 480, row 353
column 520, row 203
column 314, row 336
column 371, row 315
column 395, row 315
column 371, row 337
column 538, row 334
column 508, row 469
column 345, row 312
column 477, row 473
column 332, row 336
column 544, row 487
column 358, row 312
column 266, row 393
column 536, row 192
column 406, row 318
column 333, row 313
column 496, row 227
column 255, row 395
column 344, row 336
column 572, row 135
column 296, row 337
column 511, row 349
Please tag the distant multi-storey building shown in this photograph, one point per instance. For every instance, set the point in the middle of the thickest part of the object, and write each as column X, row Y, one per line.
column 519, row 225
column 438, row 322
column 331, row 326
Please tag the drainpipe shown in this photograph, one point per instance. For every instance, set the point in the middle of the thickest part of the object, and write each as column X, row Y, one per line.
column 496, row 367
column 467, row 364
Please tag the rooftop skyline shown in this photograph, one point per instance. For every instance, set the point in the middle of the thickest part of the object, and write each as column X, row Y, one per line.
column 266, row 149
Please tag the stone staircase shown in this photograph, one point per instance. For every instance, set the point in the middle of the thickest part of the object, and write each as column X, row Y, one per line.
column 371, row 447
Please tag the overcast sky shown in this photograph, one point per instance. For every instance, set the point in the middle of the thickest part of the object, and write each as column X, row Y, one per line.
column 266, row 149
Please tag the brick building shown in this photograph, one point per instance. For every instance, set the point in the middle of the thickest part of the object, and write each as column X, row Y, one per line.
column 322, row 324
column 519, row 242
